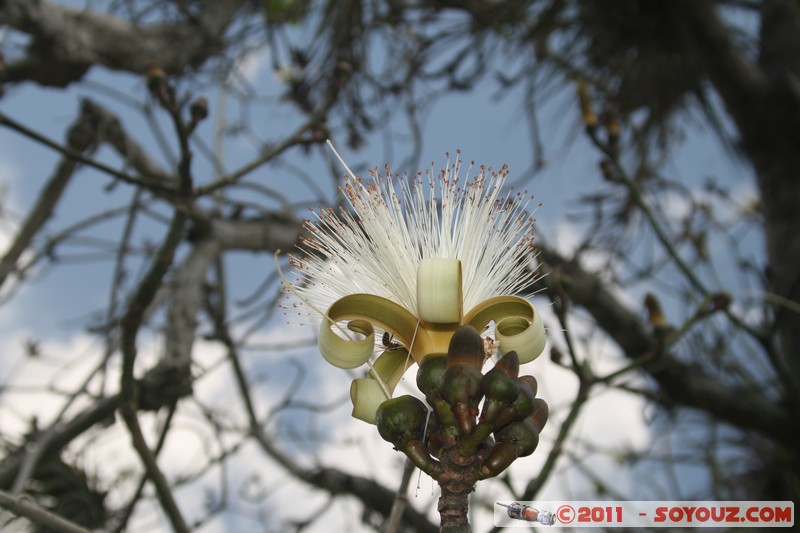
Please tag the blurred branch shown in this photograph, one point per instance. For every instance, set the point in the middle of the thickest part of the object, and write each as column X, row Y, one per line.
column 25, row 506
column 63, row 433
column 122, row 520
column 154, row 184
column 293, row 139
column 371, row 493
column 83, row 137
column 681, row 383
column 68, row 41
column 130, row 323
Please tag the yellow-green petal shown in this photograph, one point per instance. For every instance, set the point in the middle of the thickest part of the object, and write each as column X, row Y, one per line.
column 346, row 353
column 518, row 334
column 390, row 367
column 367, row 395
column 518, row 326
column 377, row 310
column 439, row 293
column 427, row 338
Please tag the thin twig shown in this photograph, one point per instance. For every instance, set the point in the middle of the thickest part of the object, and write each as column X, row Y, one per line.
column 149, row 182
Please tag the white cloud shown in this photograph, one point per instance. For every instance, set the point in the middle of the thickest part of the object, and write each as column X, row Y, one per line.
column 252, row 65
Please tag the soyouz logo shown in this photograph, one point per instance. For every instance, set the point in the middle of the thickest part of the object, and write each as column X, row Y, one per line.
column 645, row 513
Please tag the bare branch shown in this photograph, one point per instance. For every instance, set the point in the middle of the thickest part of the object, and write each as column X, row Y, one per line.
column 24, row 506
column 68, row 41
column 681, row 383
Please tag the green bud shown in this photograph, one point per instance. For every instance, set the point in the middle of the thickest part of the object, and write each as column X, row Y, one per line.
column 466, row 348
column 509, row 364
column 540, row 414
column 500, row 390
column 430, row 375
column 523, row 435
column 401, row 419
column 501, row 457
column 462, row 390
column 520, row 408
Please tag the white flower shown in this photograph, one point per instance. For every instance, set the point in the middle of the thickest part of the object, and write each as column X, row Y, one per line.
column 378, row 247
column 418, row 257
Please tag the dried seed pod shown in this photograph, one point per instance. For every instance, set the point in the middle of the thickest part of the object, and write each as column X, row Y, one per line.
column 401, row 419
column 501, row 457
column 523, row 435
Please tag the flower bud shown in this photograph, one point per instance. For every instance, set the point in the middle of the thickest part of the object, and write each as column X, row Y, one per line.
column 462, row 377
column 530, row 383
column 462, row 390
column 501, row 457
column 520, row 408
column 430, row 375
column 466, row 348
column 500, row 390
column 199, row 109
column 523, row 435
column 157, row 82
column 401, row 419
column 509, row 364
column 540, row 413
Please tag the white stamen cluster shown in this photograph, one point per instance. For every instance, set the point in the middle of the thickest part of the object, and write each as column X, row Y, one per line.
column 376, row 247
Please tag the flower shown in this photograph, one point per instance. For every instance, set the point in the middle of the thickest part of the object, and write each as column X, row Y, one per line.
column 411, row 262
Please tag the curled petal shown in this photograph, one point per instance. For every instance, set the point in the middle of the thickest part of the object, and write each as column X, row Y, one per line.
column 378, row 311
column 518, row 326
column 439, row 296
column 367, row 395
column 524, row 336
column 394, row 318
column 390, row 367
column 346, row 353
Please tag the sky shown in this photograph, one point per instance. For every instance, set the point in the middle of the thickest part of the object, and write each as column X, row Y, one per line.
column 53, row 308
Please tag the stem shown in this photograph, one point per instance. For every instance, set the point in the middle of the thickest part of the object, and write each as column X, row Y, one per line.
column 457, row 480
column 453, row 508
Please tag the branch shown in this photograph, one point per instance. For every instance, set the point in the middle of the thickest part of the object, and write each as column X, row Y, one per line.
column 62, row 434
column 682, row 384
column 81, row 138
column 764, row 102
column 144, row 294
column 24, row 506
column 187, row 292
column 154, row 184
column 371, row 493
column 68, row 41
column 268, row 233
